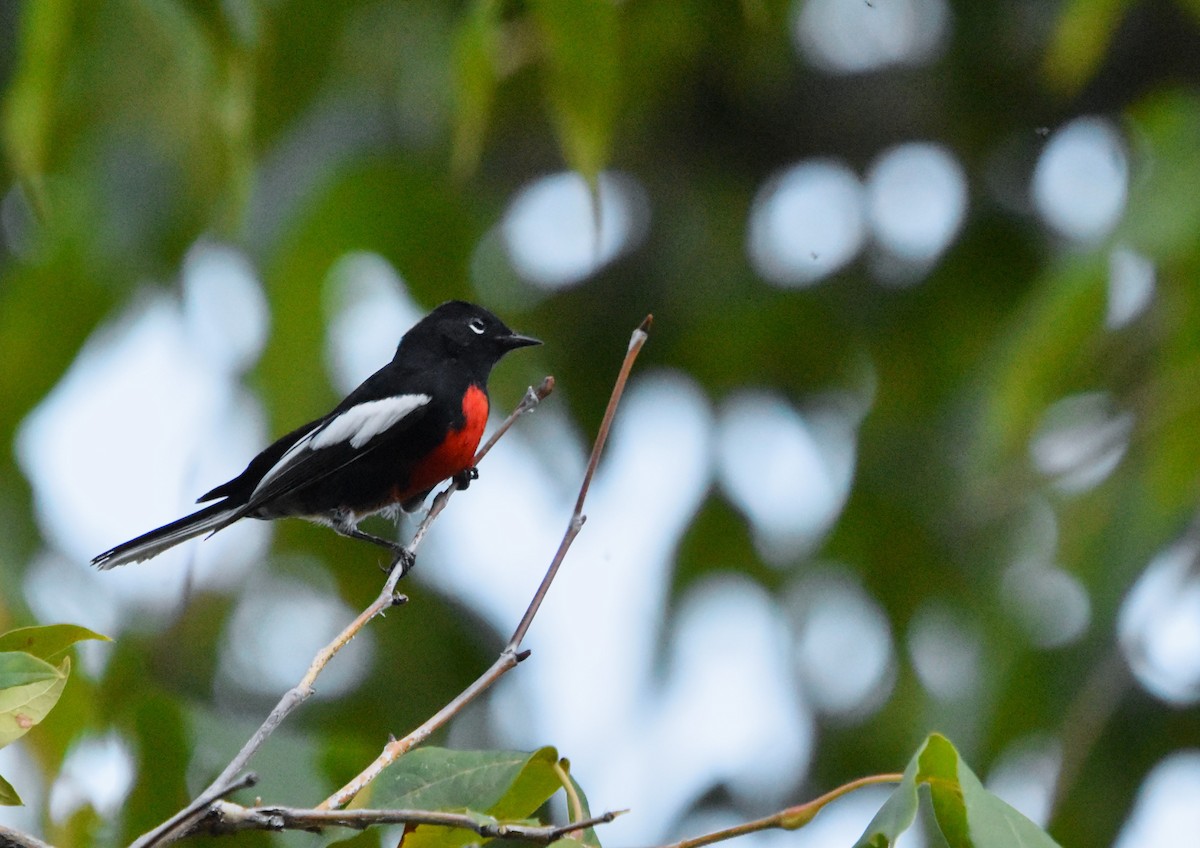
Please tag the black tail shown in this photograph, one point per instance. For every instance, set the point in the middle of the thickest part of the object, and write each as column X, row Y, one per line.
column 168, row 536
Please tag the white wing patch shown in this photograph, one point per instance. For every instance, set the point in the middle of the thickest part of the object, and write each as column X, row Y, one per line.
column 359, row 424
column 284, row 462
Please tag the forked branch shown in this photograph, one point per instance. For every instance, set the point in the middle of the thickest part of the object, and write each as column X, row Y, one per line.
column 512, row 654
column 228, row 780
column 225, row 817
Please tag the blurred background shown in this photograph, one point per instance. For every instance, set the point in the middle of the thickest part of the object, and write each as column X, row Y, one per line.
column 913, row 445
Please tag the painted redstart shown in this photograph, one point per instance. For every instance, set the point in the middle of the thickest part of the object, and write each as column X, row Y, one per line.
column 412, row 424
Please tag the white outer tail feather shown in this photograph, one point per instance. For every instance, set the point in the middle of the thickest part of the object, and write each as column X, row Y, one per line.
column 151, row 547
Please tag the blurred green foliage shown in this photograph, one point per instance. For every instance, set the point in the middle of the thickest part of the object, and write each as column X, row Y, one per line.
column 132, row 129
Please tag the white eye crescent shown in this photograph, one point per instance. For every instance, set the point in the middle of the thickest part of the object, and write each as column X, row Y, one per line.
column 476, row 325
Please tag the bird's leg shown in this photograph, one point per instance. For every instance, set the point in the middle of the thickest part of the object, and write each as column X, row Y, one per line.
column 463, row 478
column 400, row 554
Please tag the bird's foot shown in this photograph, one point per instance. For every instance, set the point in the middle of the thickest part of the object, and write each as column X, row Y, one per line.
column 404, row 558
column 463, row 478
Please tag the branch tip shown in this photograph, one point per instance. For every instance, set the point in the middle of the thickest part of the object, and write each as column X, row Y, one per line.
column 576, row 522
column 640, row 334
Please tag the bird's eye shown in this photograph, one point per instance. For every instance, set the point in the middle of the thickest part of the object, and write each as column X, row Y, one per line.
column 476, row 325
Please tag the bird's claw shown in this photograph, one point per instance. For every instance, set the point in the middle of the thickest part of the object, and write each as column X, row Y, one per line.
column 404, row 558
column 463, row 478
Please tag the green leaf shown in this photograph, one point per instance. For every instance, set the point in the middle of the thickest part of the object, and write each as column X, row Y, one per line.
column 475, row 81
column 8, row 795
column 967, row 814
column 939, row 770
column 504, row 785
column 47, row 641
column 1081, row 38
column 580, row 43
column 29, row 113
column 22, row 705
column 18, row 669
column 367, row 838
column 1163, row 212
column 993, row 823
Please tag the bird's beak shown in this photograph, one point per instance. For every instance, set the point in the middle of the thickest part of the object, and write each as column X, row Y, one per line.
column 515, row 340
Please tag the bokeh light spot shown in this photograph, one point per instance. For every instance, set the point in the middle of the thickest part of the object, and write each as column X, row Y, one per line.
column 789, row 474
column 854, row 37
column 369, row 310
column 1081, row 179
column 1165, row 810
column 1130, row 286
column 916, row 200
column 277, row 627
column 1080, row 441
column 225, row 309
column 728, row 662
column 1025, row 774
column 1050, row 604
column 140, row 424
column 97, row 772
column 945, row 652
column 57, row 589
column 25, row 768
column 550, row 227
column 1159, row 625
column 806, row 223
column 842, row 674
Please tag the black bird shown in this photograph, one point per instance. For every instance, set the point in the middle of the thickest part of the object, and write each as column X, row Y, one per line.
column 412, row 424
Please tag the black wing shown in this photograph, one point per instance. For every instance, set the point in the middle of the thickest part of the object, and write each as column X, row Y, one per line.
column 338, row 440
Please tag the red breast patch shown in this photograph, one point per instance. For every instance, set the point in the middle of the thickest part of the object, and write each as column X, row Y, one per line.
column 457, row 450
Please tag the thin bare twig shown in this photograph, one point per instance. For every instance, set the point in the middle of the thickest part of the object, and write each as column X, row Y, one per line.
column 511, row 655
column 793, row 818
column 225, row 782
column 528, row 403
column 397, row 747
column 577, row 517
column 225, row 817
